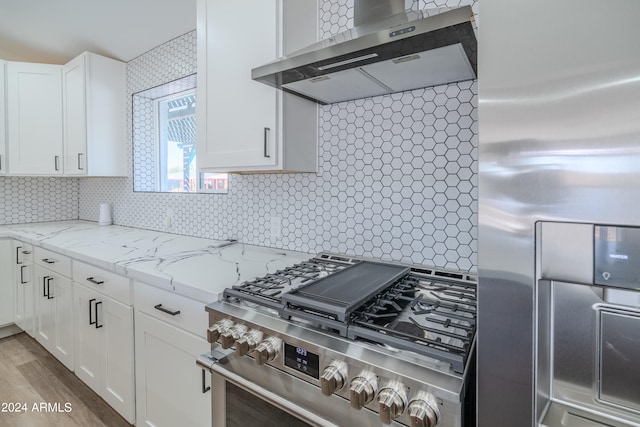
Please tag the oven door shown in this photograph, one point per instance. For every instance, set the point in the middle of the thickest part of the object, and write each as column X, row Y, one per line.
column 243, row 392
column 240, row 403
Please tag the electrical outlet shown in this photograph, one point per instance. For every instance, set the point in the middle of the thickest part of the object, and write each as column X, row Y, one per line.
column 275, row 229
column 168, row 219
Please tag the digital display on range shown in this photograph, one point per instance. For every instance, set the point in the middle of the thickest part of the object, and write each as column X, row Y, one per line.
column 302, row 360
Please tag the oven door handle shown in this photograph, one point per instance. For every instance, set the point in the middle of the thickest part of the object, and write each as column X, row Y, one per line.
column 208, row 360
column 214, row 361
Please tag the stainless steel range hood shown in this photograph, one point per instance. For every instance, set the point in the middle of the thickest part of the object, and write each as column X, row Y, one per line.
column 388, row 50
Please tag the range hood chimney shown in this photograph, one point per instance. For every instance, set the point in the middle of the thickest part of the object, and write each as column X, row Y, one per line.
column 389, row 50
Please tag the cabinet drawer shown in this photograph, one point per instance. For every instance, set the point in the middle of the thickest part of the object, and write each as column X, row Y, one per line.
column 165, row 305
column 111, row 284
column 23, row 253
column 53, row 261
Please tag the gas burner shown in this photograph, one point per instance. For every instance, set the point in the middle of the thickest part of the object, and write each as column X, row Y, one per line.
column 407, row 328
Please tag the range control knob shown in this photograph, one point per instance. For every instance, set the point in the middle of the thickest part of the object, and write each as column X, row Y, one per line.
column 333, row 377
column 423, row 411
column 267, row 350
column 215, row 330
column 363, row 389
column 248, row 342
column 228, row 337
column 393, row 401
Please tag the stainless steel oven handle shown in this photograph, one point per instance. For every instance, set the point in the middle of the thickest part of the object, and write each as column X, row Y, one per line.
column 214, row 361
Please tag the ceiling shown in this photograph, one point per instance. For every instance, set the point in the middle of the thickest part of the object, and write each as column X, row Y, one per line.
column 55, row 31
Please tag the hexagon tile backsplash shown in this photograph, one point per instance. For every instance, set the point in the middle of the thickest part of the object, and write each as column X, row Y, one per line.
column 36, row 199
column 396, row 179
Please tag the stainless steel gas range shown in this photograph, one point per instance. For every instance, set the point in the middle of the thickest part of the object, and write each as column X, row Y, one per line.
column 343, row 341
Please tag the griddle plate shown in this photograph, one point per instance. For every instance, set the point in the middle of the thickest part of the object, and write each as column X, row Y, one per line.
column 338, row 294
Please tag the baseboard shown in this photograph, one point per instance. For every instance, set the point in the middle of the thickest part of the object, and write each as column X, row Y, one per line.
column 7, row 331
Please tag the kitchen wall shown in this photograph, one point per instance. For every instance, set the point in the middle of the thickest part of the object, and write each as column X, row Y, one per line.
column 35, row 199
column 396, row 178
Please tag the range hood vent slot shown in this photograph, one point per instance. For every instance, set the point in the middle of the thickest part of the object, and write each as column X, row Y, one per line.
column 386, row 52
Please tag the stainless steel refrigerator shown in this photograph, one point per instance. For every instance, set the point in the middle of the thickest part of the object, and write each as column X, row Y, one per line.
column 559, row 203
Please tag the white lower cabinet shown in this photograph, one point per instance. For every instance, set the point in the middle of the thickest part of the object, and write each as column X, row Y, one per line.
column 104, row 348
column 54, row 314
column 24, row 303
column 85, row 317
column 6, row 283
column 170, row 389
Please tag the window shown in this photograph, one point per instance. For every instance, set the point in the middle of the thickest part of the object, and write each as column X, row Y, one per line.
column 164, row 141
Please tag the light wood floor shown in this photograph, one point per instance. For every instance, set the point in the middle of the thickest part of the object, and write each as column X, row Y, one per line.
column 29, row 374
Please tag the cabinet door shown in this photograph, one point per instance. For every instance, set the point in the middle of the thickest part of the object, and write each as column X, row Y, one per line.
column 94, row 101
column 6, row 283
column 53, row 314
column 34, row 118
column 3, row 152
column 104, row 348
column 24, row 289
column 169, row 389
column 74, row 116
column 45, row 315
column 23, row 306
column 89, row 338
column 118, row 383
column 236, row 116
column 63, row 324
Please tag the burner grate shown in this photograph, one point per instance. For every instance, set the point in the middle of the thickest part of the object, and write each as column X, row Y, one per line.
column 429, row 312
column 441, row 313
column 268, row 290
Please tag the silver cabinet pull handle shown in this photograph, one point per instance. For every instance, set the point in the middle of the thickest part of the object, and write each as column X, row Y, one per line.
column 95, row 281
column 166, row 310
column 56, row 161
column 79, row 164
column 267, row 131
column 18, row 255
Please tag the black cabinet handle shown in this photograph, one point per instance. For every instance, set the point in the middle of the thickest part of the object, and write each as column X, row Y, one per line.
column 95, row 281
column 44, row 286
column 22, row 267
column 96, row 306
column 205, row 387
column 49, row 296
column 26, row 252
column 91, row 321
column 166, row 310
column 267, row 131
column 18, row 255
column 49, row 260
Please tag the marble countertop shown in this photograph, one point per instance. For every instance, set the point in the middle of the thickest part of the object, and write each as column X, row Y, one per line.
column 191, row 266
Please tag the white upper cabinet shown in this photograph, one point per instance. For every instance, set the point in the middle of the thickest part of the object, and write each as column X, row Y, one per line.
column 94, row 116
column 34, row 118
column 3, row 135
column 243, row 125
